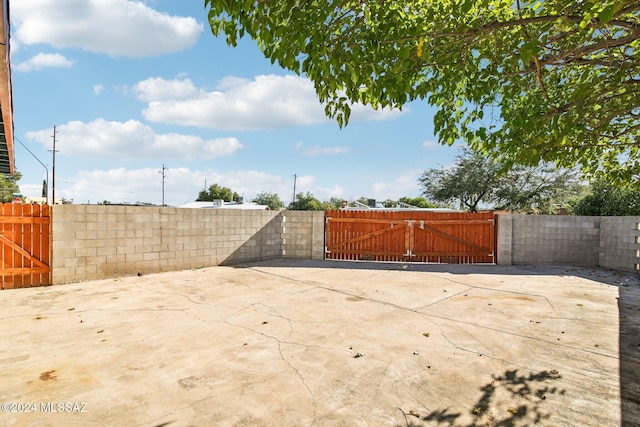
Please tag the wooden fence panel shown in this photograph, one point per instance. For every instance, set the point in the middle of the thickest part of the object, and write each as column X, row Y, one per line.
column 410, row 236
column 25, row 245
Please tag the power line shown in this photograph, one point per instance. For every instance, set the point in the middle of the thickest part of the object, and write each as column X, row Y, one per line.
column 43, row 165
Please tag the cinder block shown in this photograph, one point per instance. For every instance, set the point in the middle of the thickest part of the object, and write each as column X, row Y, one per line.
column 134, row 257
column 125, row 234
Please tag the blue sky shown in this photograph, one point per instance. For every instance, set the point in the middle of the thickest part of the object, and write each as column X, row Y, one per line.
column 133, row 85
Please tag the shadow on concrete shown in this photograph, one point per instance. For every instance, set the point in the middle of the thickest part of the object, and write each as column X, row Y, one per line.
column 602, row 275
column 527, row 392
column 629, row 311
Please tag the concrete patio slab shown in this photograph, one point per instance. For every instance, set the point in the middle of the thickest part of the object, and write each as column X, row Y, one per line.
column 302, row 343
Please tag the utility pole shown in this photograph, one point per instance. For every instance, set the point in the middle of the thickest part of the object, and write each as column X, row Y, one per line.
column 164, row 179
column 295, row 177
column 53, row 169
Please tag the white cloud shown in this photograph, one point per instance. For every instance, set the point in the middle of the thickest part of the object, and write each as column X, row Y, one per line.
column 318, row 150
column 114, row 27
column 403, row 185
column 430, row 145
column 122, row 185
column 42, row 61
column 182, row 185
column 157, row 89
column 97, row 89
column 132, row 140
column 267, row 102
column 308, row 184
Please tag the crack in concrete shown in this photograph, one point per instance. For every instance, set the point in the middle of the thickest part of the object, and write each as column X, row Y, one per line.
column 187, row 297
column 467, row 350
column 304, row 382
column 499, row 291
column 554, row 343
column 279, row 343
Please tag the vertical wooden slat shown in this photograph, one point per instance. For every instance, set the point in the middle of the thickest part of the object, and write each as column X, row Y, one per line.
column 8, row 251
column 36, row 229
column 26, row 243
column 3, row 248
column 18, row 259
column 45, row 242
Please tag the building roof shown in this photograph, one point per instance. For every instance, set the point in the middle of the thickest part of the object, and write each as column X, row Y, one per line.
column 7, row 160
column 225, row 205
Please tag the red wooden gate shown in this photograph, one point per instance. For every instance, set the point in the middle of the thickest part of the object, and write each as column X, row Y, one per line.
column 410, row 236
column 25, row 245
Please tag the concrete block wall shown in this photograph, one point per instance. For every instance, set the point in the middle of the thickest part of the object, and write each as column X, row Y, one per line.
column 609, row 242
column 504, row 230
column 95, row 242
column 619, row 242
column 303, row 234
column 547, row 239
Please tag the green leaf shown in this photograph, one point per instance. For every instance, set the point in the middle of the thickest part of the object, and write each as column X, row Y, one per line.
column 607, row 13
column 528, row 51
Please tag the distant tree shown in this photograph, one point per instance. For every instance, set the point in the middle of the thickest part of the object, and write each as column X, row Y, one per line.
column 538, row 190
column 606, row 199
column 333, row 203
column 9, row 186
column 306, row 203
column 270, row 199
column 389, row 203
column 468, row 184
column 418, row 202
column 477, row 181
column 216, row 192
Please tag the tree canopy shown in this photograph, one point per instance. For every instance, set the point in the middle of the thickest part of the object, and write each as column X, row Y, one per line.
column 217, row 192
column 9, row 186
column 476, row 182
column 608, row 200
column 418, row 202
column 306, row 202
column 269, row 199
column 524, row 81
